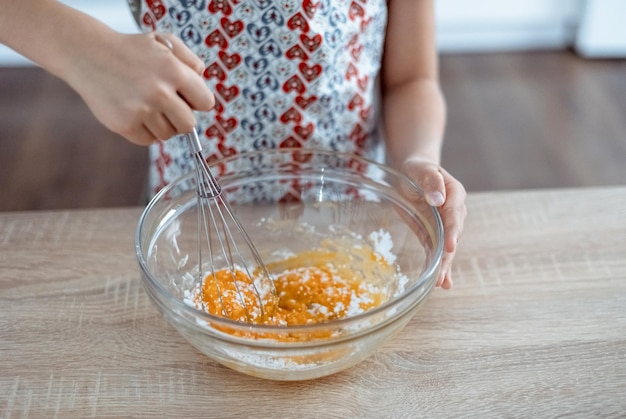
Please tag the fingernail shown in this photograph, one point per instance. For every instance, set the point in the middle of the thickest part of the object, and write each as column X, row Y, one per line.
column 435, row 199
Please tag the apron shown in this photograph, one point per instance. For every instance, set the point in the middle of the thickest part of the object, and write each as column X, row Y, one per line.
column 285, row 73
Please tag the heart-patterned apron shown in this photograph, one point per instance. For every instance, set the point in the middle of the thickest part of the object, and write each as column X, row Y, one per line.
column 285, row 73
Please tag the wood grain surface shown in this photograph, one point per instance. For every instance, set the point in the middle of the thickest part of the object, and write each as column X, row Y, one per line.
column 534, row 327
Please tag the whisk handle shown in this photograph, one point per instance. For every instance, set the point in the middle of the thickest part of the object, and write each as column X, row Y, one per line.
column 194, row 141
column 206, row 184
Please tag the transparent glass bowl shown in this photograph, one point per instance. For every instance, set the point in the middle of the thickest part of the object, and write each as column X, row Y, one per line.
column 289, row 201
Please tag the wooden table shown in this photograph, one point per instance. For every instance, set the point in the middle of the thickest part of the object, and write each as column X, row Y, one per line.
column 535, row 326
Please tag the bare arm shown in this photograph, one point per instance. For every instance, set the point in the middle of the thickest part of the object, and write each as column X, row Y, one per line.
column 414, row 116
column 414, row 107
column 38, row 30
column 134, row 84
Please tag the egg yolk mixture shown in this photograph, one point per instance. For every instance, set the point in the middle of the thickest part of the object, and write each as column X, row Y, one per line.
column 312, row 287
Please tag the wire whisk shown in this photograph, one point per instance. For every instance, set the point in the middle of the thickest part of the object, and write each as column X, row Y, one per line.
column 235, row 282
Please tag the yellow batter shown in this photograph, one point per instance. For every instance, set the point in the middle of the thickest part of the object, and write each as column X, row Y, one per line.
column 312, row 287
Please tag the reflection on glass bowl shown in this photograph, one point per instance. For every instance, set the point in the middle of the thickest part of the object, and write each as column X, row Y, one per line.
column 292, row 201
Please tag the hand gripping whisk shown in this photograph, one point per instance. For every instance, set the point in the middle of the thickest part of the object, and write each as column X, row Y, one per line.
column 235, row 281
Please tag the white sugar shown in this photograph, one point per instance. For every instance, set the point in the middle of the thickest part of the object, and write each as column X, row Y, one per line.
column 383, row 244
column 191, row 296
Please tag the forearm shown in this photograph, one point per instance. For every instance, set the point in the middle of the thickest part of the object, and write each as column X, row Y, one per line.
column 135, row 84
column 48, row 32
column 414, row 116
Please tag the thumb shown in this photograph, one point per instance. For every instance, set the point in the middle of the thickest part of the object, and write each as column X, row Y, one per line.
column 428, row 176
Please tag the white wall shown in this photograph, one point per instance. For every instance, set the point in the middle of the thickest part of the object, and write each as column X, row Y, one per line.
column 596, row 28
column 602, row 30
column 496, row 25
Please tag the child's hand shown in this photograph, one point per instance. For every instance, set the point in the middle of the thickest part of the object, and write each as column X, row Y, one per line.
column 143, row 87
column 446, row 193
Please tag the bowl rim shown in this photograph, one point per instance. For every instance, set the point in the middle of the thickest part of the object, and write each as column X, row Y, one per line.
column 428, row 272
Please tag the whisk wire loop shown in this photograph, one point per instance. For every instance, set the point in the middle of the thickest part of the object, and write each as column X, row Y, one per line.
column 228, row 248
column 215, row 217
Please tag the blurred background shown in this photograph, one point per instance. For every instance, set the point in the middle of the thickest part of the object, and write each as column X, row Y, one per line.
column 536, row 94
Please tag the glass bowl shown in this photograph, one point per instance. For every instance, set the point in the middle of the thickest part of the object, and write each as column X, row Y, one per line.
column 291, row 201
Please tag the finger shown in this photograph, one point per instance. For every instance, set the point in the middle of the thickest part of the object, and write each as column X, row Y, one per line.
column 444, row 279
column 183, row 53
column 160, row 126
column 196, row 93
column 453, row 212
column 433, row 185
column 192, row 90
column 179, row 115
column 164, row 39
column 452, row 218
column 141, row 136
